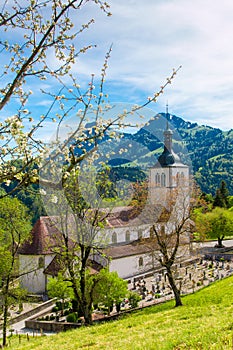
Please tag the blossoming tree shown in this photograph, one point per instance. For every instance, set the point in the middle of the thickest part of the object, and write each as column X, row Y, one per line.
column 45, row 48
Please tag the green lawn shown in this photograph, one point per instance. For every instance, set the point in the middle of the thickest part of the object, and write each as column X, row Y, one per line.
column 204, row 322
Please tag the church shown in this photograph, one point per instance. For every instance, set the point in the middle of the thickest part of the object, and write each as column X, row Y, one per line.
column 129, row 252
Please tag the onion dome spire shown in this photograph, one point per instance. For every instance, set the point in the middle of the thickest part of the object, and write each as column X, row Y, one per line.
column 168, row 157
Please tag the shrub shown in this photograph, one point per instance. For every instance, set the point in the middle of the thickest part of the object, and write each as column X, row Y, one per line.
column 67, row 305
column 66, row 312
column 59, row 305
column 55, row 309
column 134, row 299
column 72, row 317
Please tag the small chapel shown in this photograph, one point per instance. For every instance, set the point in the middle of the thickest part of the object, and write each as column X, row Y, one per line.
column 129, row 251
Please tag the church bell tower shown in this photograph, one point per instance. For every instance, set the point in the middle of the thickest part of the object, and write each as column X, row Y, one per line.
column 168, row 173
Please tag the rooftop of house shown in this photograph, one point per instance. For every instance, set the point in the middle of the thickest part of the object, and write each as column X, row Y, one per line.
column 134, row 216
column 57, row 265
column 47, row 233
column 138, row 247
column 45, row 237
column 129, row 249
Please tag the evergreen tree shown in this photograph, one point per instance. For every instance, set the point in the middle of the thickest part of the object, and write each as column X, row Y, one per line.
column 224, row 193
column 221, row 197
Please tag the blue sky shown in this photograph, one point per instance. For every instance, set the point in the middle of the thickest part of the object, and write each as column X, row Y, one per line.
column 150, row 38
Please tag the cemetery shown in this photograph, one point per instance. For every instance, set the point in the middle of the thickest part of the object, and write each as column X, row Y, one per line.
column 191, row 275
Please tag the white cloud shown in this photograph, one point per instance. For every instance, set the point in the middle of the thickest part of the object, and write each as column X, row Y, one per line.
column 151, row 37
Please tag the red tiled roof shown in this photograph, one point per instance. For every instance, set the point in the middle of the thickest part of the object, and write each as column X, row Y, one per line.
column 133, row 248
column 58, row 265
column 45, row 236
column 54, row 267
column 94, row 267
column 132, row 216
column 141, row 246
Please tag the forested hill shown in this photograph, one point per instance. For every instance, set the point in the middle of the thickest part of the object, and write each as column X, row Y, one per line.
column 208, row 150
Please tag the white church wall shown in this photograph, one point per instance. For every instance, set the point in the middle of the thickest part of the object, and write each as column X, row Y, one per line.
column 48, row 259
column 130, row 266
column 35, row 280
column 127, row 233
column 102, row 260
column 163, row 180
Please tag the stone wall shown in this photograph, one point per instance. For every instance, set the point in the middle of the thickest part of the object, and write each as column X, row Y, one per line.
column 48, row 326
column 32, row 312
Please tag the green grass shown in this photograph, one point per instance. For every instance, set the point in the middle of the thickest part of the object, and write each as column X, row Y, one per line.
column 204, row 322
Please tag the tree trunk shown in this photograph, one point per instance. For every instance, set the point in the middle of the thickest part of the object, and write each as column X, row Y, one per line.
column 5, row 313
column 80, row 291
column 174, row 287
column 220, row 245
column 87, row 313
column 85, row 304
column 80, row 295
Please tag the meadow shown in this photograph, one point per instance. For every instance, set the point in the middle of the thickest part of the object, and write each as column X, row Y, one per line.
column 205, row 321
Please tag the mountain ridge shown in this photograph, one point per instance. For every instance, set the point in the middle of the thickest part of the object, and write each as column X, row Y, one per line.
column 207, row 150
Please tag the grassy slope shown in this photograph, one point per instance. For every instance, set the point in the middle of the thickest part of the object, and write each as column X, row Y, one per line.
column 204, row 322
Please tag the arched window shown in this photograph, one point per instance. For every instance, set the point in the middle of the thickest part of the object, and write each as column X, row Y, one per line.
column 151, row 232
column 41, row 262
column 162, row 229
column 140, row 234
column 114, row 237
column 157, row 179
column 140, row 261
column 163, row 180
column 182, row 178
column 127, row 236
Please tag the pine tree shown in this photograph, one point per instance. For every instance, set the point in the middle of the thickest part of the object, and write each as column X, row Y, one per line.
column 221, row 197
column 224, row 193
